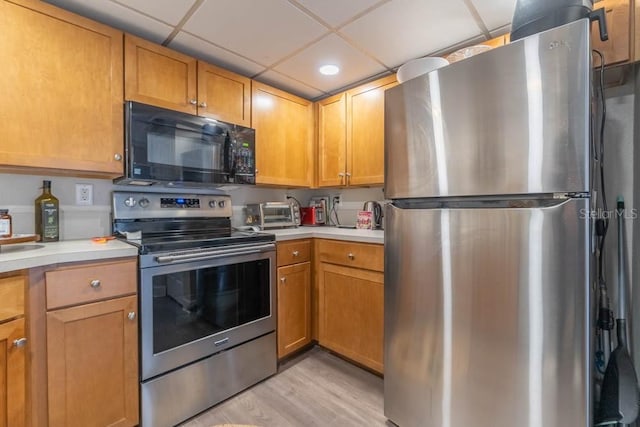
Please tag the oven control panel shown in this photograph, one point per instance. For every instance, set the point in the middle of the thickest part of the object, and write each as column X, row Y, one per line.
column 179, row 203
column 139, row 205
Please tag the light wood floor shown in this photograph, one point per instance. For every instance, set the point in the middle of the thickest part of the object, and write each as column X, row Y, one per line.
column 314, row 389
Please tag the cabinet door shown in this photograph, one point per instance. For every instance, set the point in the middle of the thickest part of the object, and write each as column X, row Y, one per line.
column 160, row 76
column 92, row 358
column 618, row 48
column 12, row 374
column 223, row 95
column 61, row 91
column 351, row 310
column 332, row 144
column 284, row 137
column 294, row 307
column 365, row 132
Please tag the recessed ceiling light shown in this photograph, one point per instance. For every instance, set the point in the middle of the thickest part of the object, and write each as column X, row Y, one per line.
column 329, row 70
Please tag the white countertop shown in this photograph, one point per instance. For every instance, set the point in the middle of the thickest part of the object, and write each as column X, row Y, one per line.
column 320, row 232
column 28, row 255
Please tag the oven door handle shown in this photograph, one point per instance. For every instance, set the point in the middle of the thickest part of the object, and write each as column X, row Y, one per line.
column 201, row 256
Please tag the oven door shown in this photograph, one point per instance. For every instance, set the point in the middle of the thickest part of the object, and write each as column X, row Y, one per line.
column 193, row 306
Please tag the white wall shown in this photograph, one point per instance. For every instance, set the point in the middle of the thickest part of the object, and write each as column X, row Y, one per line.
column 18, row 192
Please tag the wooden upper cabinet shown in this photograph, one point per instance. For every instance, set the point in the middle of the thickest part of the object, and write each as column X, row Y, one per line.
column 618, row 49
column 351, row 136
column 284, row 137
column 365, row 132
column 497, row 41
column 61, row 86
column 223, row 95
column 159, row 76
column 332, row 141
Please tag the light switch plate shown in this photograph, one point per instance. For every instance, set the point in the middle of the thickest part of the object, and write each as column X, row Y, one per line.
column 84, row 194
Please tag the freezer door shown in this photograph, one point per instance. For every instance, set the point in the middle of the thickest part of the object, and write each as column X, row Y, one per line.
column 486, row 317
column 514, row 120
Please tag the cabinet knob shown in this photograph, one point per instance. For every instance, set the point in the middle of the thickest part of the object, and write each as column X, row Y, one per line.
column 351, row 256
column 21, row 342
column 341, row 174
column 117, row 156
column 193, row 102
column 203, row 105
column 283, row 279
column 131, row 315
column 95, row 283
column 295, row 253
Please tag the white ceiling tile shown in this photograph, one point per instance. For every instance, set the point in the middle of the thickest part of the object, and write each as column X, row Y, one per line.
column 201, row 49
column 265, row 30
column 169, row 11
column 354, row 65
column 336, row 12
column 406, row 29
column 278, row 80
column 118, row 16
column 495, row 13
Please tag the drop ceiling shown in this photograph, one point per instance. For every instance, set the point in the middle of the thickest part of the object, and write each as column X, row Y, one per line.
column 284, row 42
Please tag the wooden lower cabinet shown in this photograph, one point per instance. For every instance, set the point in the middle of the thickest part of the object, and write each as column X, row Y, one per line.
column 92, row 361
column 351, row 311
column 12, row 374
column 350, row 306
column 13, row 350
column 294, row 295
column 294, row 307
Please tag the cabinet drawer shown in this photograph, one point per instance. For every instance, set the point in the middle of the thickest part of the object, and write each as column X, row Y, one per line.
column 78, row 285
column 359, row 255
column 11, row 297
column 293, row 252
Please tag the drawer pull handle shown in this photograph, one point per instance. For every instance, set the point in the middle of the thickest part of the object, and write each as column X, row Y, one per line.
column 131, row 315
column 351, row 256
column 20, row 342
column 95, row 284
column 295, row 253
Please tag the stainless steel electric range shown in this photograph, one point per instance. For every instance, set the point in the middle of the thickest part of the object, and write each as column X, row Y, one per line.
column 206, row 295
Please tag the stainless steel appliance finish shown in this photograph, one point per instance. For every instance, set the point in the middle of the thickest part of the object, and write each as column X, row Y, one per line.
column 487, row 239
column 485, row 316
column 170, row 147
column 494, row 122
column 204, row 291
column 376, row 208
column 273, row 215
column 206, row 382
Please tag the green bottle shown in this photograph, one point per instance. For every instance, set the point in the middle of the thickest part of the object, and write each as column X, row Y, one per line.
column 47, row 215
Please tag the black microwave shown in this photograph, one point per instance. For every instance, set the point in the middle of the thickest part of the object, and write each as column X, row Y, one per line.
column 173, row 148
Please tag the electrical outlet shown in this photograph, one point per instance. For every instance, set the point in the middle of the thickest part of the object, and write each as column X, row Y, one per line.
column 84, row 194
column 336, row 199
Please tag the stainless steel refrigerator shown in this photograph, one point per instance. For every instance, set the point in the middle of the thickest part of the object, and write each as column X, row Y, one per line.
column 487, row 239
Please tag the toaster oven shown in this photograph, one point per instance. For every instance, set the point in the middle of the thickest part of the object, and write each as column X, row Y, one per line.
column 273, row 215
